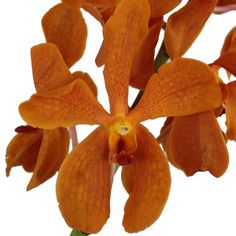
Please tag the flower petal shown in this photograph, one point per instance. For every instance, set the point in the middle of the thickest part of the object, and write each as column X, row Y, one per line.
column 84, row 184
column 227, row 61
column 73, row 4
column 102, row 3
column 198, row 147
column 123, row 35
column 100, row 14
column 160, row 8
column 148, row 183
column 23, row 150
column 67, row 29
column 53, row 150
column 87, row 79
column 184, row 26
column 49, row 69
column 230, row 41
column 76, row 4
column 230, row 110
column 76, row 105
column 226, row 2
column 143, row 64
column 182, row 87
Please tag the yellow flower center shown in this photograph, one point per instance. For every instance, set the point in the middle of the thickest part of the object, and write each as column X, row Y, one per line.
column 122, row 141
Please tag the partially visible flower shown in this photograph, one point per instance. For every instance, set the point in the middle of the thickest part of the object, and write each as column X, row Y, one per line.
column 185, row 25
column 42, row 151
column 38, row 151
column 182, row 87
column 195, row 142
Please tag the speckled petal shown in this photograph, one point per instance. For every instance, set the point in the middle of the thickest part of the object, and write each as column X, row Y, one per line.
column 53, row 150
column 72, row 104
column 196, row 143
column 148, row 183
column 160, row 7
column 143, row 64
column 84, row 184
column 23, row 151
column 87, row 79
column 123, row 35
column 184, row 26
column 49, row 69
column 182, row 87
column 67, row 29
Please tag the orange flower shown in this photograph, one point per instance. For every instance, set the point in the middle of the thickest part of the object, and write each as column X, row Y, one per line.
column 42, row 151
column 202, row 146
column 38, row 151
column 182, row 87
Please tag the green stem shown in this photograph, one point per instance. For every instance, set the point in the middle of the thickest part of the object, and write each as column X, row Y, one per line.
column 140, row 94
column 76, row 232
column 161, row 58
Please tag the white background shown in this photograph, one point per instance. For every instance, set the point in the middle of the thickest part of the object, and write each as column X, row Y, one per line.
column 199, row 205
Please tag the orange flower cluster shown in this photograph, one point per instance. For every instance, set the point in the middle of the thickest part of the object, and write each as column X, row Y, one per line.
column 188, row 92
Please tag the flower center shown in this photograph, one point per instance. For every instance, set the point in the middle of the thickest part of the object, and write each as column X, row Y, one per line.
column 122, row 141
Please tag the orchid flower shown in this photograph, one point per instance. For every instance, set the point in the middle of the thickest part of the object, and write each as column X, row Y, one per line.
column 202, row 146
column 182, row 87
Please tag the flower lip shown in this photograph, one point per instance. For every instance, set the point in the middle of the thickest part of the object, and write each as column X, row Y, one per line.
column 122, row 140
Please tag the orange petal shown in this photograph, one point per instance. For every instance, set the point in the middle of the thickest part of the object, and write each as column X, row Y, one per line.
column 182, row 87
column 67, row 29
column 164, row 132
column 76, row 105
column 160, row 8
column 230, row 41
column 84, row 184
column 230, row 110
column 227, row 61
column 53, row 150
column 226, row 2
column 123, row 35
column 102, row 3
column 87, row 79
column 143, row 64
column 198, row 147
column 100, row 14
column 49, row 69
column 23, row 150
column 184, row 26
column 76, row 4
column 148, row 183
column 73, row 4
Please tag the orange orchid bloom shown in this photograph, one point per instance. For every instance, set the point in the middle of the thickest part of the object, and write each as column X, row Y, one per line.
column 182, row 87
column 42, row 151
column 202, row 146
column 38, row 151
column 184, row 26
